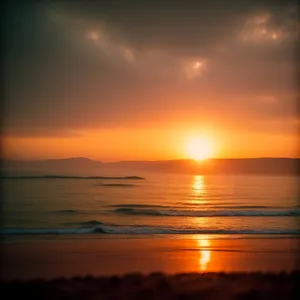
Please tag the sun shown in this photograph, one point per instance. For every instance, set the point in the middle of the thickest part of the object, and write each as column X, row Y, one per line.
column 199, row 148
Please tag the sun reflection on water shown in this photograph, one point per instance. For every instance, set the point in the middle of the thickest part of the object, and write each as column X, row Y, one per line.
column 198, row 187
column 205, row 253
column 199, row 191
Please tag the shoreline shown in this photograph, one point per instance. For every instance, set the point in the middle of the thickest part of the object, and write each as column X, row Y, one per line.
column 107, row 256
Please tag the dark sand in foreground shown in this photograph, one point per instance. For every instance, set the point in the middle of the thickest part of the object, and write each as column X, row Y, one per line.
column 106, row 259
column 158, row 286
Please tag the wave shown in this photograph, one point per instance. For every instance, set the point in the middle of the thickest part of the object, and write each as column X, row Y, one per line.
column 90, row 223
column 46, row 231
column 74, row 211
column 117, row 185
column 215, row 207
column 243, row 206
column 67, row 211
column 83, row 224
column 110, row 229
column 137, row 206
column 208, row 213
column 75, row 177
column 167, row 211
column 117, row 178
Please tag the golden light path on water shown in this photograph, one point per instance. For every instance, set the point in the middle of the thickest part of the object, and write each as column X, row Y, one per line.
column 198, row 185
column 204, row 248
column 199, row 191
column 205, row 253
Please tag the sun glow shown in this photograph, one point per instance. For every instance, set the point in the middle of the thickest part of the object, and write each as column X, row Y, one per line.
column 94, row 36
column 199, row 149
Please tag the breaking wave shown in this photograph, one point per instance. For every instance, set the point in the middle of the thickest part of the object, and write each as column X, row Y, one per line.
column 208, row 213
column 145, row 230
column 117, row 185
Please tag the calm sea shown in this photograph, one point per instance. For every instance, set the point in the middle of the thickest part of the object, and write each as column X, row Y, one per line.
column 161, row 204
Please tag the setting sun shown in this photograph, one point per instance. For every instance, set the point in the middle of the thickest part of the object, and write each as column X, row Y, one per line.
column 199, row 149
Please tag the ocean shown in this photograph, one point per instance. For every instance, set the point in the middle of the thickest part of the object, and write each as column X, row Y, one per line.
column 160, row 205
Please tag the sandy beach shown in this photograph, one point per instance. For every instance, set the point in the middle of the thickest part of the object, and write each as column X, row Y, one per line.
column 117, row 256
column 206, row 267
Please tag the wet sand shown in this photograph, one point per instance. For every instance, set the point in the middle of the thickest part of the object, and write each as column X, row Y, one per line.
column 107, row 256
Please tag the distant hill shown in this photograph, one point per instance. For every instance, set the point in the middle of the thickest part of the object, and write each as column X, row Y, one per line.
column 77, row 165
column 272, row 166
column 85, row 166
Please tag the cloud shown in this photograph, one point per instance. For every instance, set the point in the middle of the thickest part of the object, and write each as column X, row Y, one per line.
column 267, row 29
column 73, row 66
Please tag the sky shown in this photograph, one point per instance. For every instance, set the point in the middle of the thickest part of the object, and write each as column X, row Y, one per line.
column 138, row 80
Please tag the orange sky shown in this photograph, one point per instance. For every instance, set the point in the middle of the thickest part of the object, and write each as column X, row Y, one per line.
column 150, row 144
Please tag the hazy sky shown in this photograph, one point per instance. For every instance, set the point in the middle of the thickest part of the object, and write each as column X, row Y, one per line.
column 125, row 79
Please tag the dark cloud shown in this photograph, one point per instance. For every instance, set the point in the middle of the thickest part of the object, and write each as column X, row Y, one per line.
column 143, row 66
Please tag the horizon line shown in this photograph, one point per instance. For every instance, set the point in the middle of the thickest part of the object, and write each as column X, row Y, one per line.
column 159, row 160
